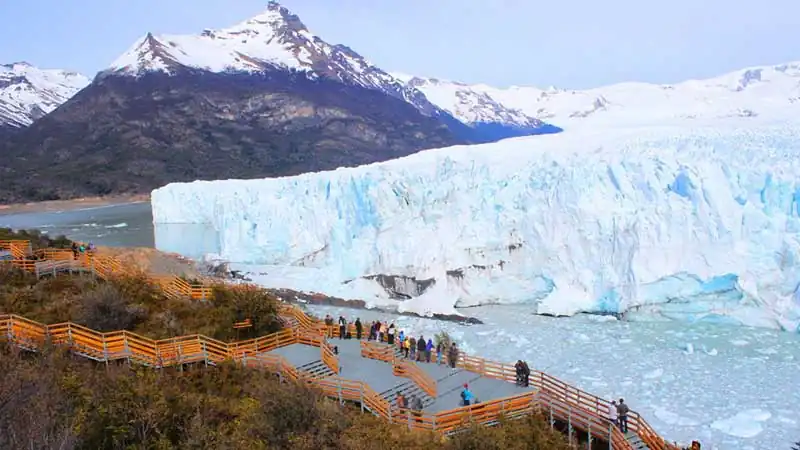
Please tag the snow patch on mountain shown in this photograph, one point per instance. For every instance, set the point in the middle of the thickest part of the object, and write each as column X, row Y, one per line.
column 27, row 93
column 471, row 106
column 767, row 91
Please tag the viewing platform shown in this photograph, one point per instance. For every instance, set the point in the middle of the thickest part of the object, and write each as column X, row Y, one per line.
column 366, row 373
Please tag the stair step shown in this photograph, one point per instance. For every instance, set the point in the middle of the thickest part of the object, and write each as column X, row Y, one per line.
column 317, row 369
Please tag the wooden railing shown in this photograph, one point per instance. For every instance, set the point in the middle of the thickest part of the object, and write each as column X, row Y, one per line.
column 328, row 357
column 126, row 345
column 564, row 394
column 562, row 400
column 18, row 248
column 407, row 369
column 374, row 350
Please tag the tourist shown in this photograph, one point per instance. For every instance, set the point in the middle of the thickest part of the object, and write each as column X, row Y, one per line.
column 612, row 412
column 452, row 355
column 401, row 401
column 439, row 353
column 526, row 374
column 416, row 406
column 401, row 337
column 349, row 332
column 406, row 347
column 622, row 415
column 428, row 350
column 390, row 334
column 359, row 328
column 75, row 250
column 421, row 348
column 466, row 396
column 412, row 345
column 519, row 370
column 382, row 328
column 342, row 327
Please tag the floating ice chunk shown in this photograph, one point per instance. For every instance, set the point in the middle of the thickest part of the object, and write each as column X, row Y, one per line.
column 745, row 424
column 657, row 373
column 674, row 418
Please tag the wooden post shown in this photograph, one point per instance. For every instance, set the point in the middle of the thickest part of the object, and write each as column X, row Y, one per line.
column 569, row 424
column 205, row 353
column 589, row 443
column 105, row 351
column 610, row 436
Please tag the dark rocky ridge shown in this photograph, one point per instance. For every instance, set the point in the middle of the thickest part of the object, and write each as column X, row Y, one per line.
column 133, row 134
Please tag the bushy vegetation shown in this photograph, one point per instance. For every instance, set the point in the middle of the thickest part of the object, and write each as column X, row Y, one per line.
column 52, row 400
column 134, row 303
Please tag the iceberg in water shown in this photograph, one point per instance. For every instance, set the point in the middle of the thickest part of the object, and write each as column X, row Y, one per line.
column 688, row 224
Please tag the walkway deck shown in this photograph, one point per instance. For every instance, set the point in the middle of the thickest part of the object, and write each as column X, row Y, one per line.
column 302, row 353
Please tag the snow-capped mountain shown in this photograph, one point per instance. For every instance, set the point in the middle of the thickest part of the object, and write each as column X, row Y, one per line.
column 28, row 93
column 755, row 91
column 466, row 104
column 274, row 39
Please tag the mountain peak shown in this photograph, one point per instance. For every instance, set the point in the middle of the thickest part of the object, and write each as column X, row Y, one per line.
column 28, row 92
column 273, row 40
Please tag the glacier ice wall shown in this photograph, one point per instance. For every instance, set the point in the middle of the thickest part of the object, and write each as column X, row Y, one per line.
column 690, row 224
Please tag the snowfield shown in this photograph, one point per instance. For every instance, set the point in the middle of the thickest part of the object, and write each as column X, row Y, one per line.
column 675, row 222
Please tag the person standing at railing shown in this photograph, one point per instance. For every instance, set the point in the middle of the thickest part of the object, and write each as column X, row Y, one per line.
column 526, row 374
column 359, row 328
column 518, row 368
column 622, row 412
column 382, row 331
column 452, row 355
column 342, row 327
column 439, row 348
column 390, row 334
column 421, row 346
column 412, row 346
column 612, row 412
column 428, row 350
column 406, row 347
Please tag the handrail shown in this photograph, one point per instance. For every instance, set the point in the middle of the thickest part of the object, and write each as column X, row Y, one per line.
column 123, row 344
column 374, row 350
column 568, row 394
column 412, row 371
column 19, row 248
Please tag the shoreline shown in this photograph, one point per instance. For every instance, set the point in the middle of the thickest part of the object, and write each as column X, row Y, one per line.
column 317, row 299
column 71, row 204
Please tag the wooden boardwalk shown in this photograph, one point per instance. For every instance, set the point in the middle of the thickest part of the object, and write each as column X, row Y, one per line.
column 368, row 373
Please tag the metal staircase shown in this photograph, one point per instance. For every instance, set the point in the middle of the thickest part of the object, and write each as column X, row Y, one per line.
column 635, row 441
column 409, row 389
column 317, row 369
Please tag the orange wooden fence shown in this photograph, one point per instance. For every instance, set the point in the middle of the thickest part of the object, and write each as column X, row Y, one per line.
column 557, row 397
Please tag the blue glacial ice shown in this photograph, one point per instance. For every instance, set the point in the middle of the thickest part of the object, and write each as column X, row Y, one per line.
column 699, row 224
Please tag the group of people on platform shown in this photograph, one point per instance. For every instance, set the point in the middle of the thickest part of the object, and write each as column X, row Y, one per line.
column 413, row 348
column 423, row 350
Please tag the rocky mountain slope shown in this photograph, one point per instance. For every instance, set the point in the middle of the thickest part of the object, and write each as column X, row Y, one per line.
column 130, row 135
column 767, row 91
column 180, row 108
column 28, row 93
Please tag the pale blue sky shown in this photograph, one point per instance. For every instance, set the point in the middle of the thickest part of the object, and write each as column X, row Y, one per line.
column 567, row 43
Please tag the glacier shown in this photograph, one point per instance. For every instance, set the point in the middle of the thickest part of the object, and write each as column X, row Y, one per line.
column 670, row 222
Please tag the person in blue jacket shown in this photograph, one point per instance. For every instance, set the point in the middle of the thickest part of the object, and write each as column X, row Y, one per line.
column 466, row 395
